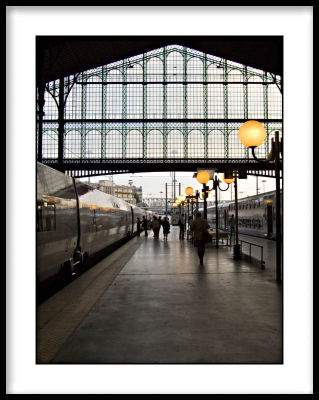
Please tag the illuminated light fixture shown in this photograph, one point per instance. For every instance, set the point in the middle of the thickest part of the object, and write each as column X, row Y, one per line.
column 174, row 204
column 252, row 133
column 203, row 177
column 228, row 179
column 189, row 191
column 181, row 197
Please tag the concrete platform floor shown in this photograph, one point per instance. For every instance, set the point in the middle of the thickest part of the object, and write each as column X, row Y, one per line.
column 164, row 307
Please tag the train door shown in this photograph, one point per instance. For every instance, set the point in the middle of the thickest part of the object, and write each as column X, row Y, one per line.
column 269, row 220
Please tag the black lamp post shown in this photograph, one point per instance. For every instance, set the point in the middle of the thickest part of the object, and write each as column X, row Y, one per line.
column 252, row 134
column 203, row 177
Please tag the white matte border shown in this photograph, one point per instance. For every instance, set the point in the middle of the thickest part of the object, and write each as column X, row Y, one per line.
column 23, row 24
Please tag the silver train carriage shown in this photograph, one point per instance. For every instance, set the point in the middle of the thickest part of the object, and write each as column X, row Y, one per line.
column 256, row 215
column 76, row 221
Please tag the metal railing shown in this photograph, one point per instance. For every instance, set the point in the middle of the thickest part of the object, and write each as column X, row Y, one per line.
column 262, row 262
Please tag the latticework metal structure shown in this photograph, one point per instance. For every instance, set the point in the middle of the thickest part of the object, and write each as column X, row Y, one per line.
column 173, row 107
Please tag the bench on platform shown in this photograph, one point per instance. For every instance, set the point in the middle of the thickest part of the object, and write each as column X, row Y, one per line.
column 222, row 235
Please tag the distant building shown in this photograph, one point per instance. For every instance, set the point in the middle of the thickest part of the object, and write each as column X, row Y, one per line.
column 126, row 193
column 107, row 186
column 122, row 192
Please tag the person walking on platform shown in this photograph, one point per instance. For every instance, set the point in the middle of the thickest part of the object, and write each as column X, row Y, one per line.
column 199, row 228
column 160, row 223
column 145, row 225
column 231, row 224
column 181, row 224
column 156, row 227
column 166, row 227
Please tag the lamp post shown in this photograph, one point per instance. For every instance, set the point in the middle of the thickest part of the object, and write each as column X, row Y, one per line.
column 203, row 177
column 190, row 197
column 252, row 134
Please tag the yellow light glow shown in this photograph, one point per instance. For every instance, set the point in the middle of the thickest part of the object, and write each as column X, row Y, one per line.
column 227, row 180
column 189, row 191
column 182, row 197
column 203, row 177
column 252, row 133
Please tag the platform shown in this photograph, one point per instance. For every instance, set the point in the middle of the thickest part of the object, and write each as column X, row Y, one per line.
column 152, row 302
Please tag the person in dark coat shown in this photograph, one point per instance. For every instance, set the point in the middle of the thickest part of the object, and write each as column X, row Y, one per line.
column 181, row 224
column 166, row 227
column 138, row 224
column 145, row 225
column 155, row 227
column 199, row 228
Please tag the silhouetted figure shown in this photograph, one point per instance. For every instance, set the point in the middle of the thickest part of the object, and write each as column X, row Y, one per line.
column 199, row 228
column 156, row 227
column 166, row 228
column 231, row 224
column 160, row 222
column 138, row 224
column 181, row 224
column 190, row 232
column 145, row 225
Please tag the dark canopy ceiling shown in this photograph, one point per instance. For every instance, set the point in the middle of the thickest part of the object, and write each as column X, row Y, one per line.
column 59, row 56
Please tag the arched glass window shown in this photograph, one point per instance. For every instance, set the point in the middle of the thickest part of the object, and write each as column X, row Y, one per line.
column 215, row 73
column 235, row 148
column 93, row 144
column 72, row 144
column 274, row 102
column 195, row 70
column 215, row 92
column 195, row 101
column 196, row 147
column 135, row 92
column 235, row 95
column 175, row 67
column 50, row 144
column 175, row 144
column 73, row 107
column 50, row 108
column 113, row 144
column 155, row 101
column 155, row 144
column 94, row 98
column 216, row 144
column 175, row 101
column 114, row 95
column 255, row 98
column 154, row 70
column 134, row 144
column 154, row 91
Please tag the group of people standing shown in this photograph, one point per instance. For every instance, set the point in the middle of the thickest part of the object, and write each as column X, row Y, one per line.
column 155, row 225
column 198, row 228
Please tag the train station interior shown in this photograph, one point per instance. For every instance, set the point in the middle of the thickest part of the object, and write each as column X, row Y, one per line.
column 187, row 266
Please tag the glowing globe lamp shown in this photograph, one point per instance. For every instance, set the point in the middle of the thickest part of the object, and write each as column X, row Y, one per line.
column 228, row 180
column 252, row 133
column 203, row 177
column 189, row 191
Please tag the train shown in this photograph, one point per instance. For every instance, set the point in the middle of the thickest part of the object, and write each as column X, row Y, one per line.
column 75, row 222
column 256, row 215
